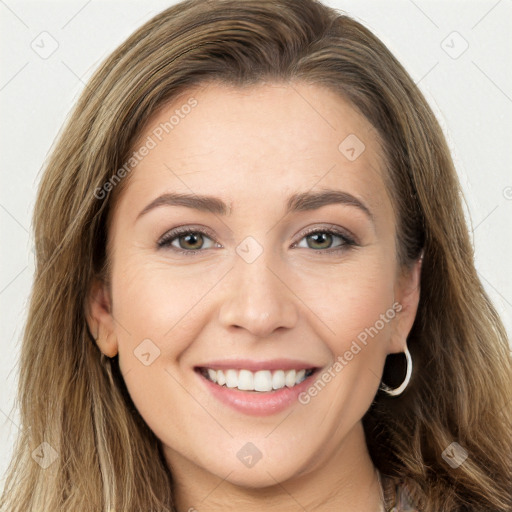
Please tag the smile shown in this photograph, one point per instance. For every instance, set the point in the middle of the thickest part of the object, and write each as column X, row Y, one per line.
column 260, row 381
column 256, row 388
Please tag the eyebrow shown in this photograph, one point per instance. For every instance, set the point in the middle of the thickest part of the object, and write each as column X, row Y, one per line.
column 303, row 201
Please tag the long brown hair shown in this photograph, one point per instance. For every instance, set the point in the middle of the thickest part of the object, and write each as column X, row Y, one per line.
column 73, row 398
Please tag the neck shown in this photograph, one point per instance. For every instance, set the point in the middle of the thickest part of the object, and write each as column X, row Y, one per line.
column 344, row 480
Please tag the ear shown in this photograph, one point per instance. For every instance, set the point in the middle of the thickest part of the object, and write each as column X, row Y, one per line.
column 100, row 319
column 407, row 297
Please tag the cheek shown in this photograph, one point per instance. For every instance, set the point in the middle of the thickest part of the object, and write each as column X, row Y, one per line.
column 154, row 301
column 361, row 312
column 357, row 308
column 351, row 298
column 158, row 315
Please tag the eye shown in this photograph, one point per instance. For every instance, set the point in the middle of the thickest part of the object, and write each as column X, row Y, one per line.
column 192, row 240
column 321, row 240
column 187, row 240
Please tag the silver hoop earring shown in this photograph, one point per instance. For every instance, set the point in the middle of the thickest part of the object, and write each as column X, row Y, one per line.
column 400, row 389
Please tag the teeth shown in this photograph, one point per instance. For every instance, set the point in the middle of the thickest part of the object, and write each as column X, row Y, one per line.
column 231, row 378
column 278, row 379
column 289, row 378
column 300, row 376
column 263, row 380
column 245, row 380
column 221, row 378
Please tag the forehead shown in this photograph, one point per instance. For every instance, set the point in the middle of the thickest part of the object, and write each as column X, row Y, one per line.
column 259, row 143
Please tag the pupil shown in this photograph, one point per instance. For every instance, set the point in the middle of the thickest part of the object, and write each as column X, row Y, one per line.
column 318, row 236
column 193, row 237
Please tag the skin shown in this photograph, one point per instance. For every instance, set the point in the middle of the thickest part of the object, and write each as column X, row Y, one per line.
column 252, row 148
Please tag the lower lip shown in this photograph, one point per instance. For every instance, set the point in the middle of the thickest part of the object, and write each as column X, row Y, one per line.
column 257, row 403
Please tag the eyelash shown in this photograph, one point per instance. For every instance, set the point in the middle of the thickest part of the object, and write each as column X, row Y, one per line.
column 174, row 234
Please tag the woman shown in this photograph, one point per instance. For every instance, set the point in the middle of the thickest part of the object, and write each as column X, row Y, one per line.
column 189, row 346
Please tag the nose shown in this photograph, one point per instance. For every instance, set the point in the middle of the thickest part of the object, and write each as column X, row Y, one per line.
column 257, row 298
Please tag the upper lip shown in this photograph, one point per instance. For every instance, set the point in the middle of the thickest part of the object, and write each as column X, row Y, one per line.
column 254, row 366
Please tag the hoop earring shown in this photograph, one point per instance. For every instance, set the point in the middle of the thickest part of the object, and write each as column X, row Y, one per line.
column 400, row 389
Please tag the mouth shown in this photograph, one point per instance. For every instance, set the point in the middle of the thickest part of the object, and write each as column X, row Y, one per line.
column 261, row 381
column 257, row 389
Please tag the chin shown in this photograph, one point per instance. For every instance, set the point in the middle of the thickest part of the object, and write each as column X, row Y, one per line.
column 276, row 467
column 265, row 476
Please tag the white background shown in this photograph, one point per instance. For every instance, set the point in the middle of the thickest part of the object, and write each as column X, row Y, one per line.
column 471, row 95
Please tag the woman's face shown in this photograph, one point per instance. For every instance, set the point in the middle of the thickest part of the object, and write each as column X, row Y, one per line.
column 290, row 265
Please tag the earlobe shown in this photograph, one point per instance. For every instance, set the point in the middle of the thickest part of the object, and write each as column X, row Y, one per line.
column 100, row 320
